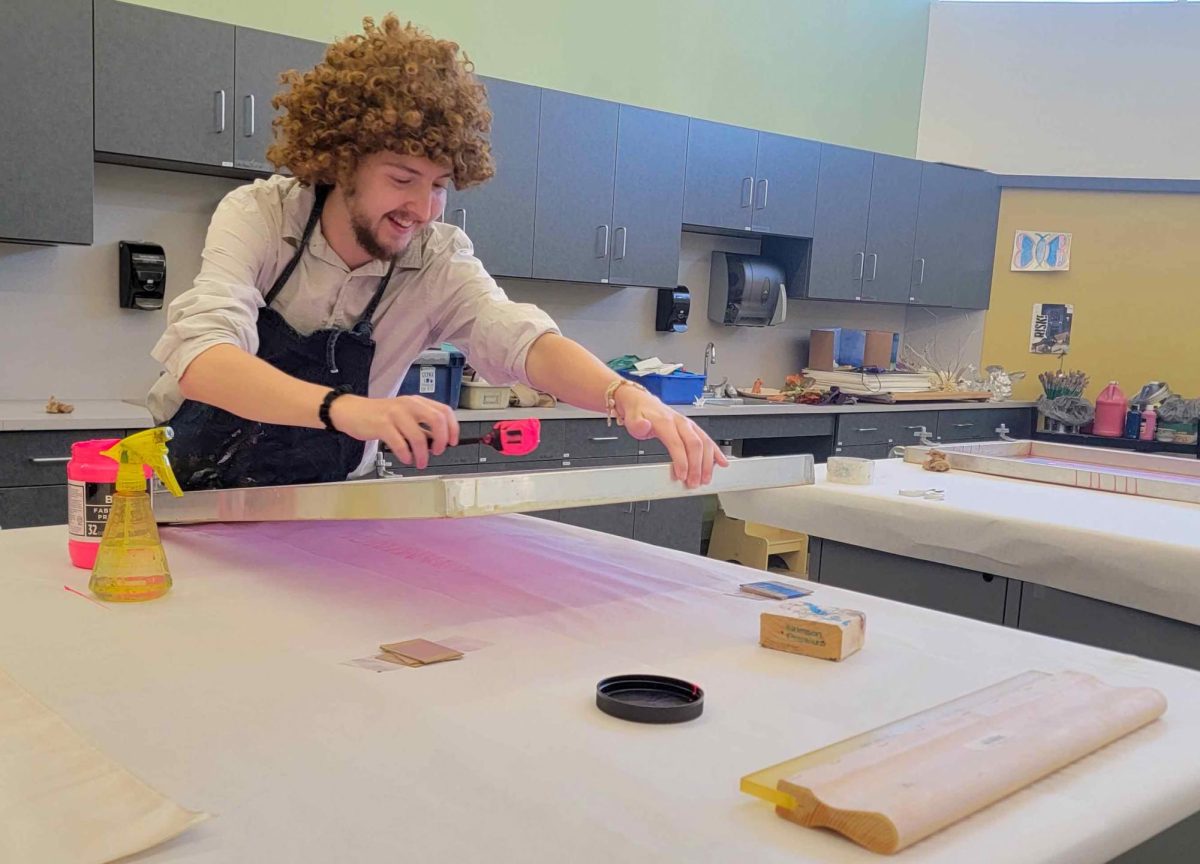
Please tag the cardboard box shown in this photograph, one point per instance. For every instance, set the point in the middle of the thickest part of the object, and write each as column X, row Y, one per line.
column 804, row 627
column 822, row 350
column 878, row 349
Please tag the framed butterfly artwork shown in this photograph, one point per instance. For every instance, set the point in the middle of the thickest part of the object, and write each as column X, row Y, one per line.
column 1041, row 251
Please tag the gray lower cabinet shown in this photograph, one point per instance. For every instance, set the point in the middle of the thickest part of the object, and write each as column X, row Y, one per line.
column 260, row 58
column 785, row 185
column 673, row 523
column 615, row 519
column 498, row 215
column 31, row 506
column 865, row 451
column 648, row 198
column 981, row 424
column 46, row 134
column 719, row 187
column 955, row 237
column 1106, row 625
column 909, row 580
column 884, row 428
column 576, row 170
column 839, row 241
column 164, row 85
column 891, row 229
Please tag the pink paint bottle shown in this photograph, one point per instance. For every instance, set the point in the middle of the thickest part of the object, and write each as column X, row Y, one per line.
column 1149, row 424
column 91, row 481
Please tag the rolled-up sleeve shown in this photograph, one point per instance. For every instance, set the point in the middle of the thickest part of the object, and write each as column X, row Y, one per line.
column 494, row 332
column 222, row 304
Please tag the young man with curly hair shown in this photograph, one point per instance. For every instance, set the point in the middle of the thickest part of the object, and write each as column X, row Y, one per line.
column 317, row 291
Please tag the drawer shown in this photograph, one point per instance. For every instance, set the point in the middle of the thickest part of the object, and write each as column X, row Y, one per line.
column 588, row 439
column 40, row 458
column 761, row 426
column 865, row 451
column 464, row 454
column 981, row 424
column 29, row 506
column 883, row 428
column 550, row 447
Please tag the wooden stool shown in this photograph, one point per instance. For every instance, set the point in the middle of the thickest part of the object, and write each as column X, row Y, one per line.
column 752, row 544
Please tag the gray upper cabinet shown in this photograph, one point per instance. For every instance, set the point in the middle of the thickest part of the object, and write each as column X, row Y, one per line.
column 891, row 229
column 981, row 211
column 785, row 185
column 839, row 253
column 498, row 215
column 955, row 239
column 576, row 169
column 648, row 201
column 164, row 85
column 260, row 58
column 46, row 133
column 719, row 189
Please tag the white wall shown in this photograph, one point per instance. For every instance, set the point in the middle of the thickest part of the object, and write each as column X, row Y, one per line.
column 1076, row 89
column 62, row 333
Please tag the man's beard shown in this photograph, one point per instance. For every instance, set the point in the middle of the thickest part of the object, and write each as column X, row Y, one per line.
column 365, row 236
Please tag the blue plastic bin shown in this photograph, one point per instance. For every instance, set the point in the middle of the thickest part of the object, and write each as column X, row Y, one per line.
column 436, row 374
column 678, row 388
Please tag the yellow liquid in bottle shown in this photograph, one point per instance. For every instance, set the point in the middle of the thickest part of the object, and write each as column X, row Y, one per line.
column 131, row 564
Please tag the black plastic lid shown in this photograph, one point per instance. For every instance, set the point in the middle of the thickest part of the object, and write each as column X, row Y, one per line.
column 649, row 698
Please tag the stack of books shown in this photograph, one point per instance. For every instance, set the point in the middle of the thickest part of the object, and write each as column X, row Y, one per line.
column 871, row 383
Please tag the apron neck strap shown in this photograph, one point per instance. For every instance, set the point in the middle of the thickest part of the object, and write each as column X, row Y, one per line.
column 364, row 324
column 321, row 192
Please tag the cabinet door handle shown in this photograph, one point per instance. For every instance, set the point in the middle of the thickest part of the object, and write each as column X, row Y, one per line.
column 463, row 224
column 248, row 115
column 963, row 425
column 868, row 429
column 606, row 438
column 874, row 265
column 49, row 460
column 747, row 191
column 601, row 244
column 862, row 265
column 219, row 110
column 762, row 199
column 629, row 507
column 623, row 232
column 921, row 275
column 645, row 509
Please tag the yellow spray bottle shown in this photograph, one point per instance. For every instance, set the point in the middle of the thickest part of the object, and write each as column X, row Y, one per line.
column 130, row 562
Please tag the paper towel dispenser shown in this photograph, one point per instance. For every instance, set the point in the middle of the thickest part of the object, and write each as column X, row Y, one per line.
column 746, row 290
column 143, row 275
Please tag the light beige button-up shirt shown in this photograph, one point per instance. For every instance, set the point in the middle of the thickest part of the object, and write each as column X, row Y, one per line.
column 439, row 292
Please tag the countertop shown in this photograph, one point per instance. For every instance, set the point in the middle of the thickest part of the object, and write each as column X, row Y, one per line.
column 29, row 416
column 230, row 696
column 116, row 414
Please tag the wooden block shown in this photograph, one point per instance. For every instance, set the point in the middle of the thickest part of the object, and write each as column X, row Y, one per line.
column 804, row 627
column 822, row 350
column 422, row 651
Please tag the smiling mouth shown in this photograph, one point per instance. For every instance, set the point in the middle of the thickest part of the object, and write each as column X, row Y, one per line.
column 401, row 224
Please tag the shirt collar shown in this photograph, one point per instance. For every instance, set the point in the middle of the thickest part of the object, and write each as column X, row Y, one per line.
column 298, row 206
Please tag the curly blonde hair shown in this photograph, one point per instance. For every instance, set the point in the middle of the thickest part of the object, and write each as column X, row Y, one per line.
column 393, row 88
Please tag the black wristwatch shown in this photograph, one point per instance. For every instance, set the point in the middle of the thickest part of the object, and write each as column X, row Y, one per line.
column 327, row 402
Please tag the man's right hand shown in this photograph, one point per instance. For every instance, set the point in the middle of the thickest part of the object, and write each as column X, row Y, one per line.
column 411, row 426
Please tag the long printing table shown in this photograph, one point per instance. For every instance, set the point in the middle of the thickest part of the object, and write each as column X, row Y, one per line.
column 232, row 696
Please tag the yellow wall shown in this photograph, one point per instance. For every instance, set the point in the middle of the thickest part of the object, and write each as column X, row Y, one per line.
column 1134, row 283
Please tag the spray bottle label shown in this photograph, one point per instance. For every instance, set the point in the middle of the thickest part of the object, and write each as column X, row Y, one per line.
column 88, row 505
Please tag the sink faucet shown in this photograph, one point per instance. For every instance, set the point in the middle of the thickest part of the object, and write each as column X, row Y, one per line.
column 710, row 359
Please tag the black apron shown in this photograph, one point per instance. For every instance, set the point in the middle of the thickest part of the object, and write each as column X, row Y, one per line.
column 214, row 449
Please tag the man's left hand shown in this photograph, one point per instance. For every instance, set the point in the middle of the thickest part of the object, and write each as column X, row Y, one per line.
column 693, row 453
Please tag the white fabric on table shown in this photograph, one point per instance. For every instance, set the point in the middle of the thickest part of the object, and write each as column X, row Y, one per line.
column 230, row 694
column 1137, row 552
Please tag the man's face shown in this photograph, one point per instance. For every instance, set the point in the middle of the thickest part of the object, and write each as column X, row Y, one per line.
column 392, row 199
